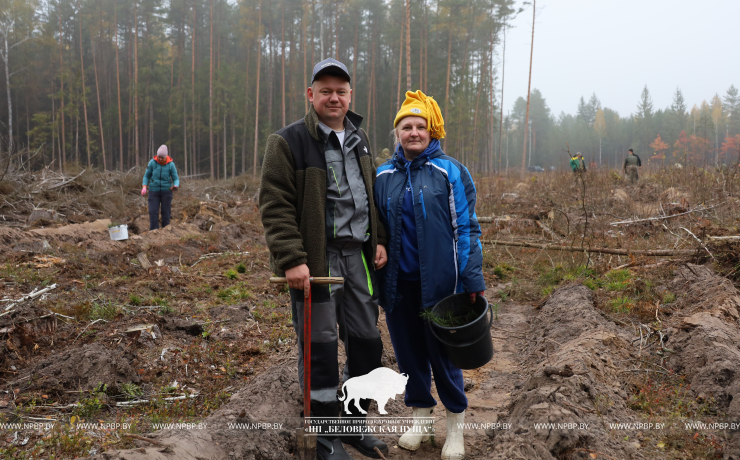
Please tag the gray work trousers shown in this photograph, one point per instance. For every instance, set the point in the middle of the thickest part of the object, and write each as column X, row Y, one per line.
column 353, row 307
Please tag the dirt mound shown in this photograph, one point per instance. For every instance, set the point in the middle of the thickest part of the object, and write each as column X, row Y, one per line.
column 705, row 335
column 621, row 196
column 82, row 368
column 270, row 396
column 673, row 195
column 574, row 379
column 95, row 237
column 645, row 191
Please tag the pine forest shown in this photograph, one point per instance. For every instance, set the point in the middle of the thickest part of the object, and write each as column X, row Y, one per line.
column 102, row 83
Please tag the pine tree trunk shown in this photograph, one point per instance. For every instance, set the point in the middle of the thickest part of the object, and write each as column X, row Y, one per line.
column 233, row 146
column 336, row 31
column 193, row 129
column 53, row 122
column 426, row 50
column 408, row 45
column 305, row 46
column 84, row 91
column 210, row 98
column 447, row 81
column 400, row 65
column 282, row 43
column 184, row 132
column 246, row 114
column 257, row 92
column 181, row 90
column 501, row 116
column 7, row 87
column 136, row 84
column 529, row 92
column 477, row 104
column 118, row 86
column 271, row 79
column 370, row 91
column 421, row 58
column 375, row 98
column 356, row 57
column 63, row 151
column 100, row 109
column 169, row 99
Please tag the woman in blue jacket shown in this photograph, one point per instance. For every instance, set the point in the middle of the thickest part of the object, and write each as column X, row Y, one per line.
column 160, row 180
column 426, row 200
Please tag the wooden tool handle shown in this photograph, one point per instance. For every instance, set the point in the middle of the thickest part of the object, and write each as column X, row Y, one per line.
column 314, row 280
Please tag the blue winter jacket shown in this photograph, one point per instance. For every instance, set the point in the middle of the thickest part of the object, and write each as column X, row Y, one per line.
column 160, row 178
column 448, row 234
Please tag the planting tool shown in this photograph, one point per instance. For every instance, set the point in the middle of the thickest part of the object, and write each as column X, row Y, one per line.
column 307, row 444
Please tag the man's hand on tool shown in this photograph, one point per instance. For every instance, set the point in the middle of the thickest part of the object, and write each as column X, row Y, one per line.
column 474, row 294
column 381, row 257
column 298, row 278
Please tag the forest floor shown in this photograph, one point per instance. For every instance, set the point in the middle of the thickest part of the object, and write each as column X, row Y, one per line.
column 597, row 355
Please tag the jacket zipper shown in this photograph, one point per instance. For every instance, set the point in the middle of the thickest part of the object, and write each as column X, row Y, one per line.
column 421, row 198
column 388, row 211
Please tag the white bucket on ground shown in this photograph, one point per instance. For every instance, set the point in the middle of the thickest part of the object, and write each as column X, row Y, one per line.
column 118, row 233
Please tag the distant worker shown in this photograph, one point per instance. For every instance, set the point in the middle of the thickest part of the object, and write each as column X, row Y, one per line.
column 631, row 163
column 577, row 164
column 384, row 156
column 160, row 180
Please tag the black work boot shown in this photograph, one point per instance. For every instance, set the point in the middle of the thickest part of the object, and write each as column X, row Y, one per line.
column 328, row 446
column 363, row 441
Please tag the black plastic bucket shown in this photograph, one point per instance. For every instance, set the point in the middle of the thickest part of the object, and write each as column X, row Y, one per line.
column 469, row 346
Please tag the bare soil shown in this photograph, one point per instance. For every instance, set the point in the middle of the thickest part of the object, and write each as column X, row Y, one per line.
column 180, row 325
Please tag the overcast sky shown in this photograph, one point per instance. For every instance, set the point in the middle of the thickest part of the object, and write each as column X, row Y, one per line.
column 615, row 47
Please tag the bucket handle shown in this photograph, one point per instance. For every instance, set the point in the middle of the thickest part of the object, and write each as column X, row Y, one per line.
column 487, row 331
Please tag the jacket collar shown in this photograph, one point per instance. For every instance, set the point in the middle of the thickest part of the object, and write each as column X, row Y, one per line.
column 168, row 160
column 312, row 122
column 433, row 151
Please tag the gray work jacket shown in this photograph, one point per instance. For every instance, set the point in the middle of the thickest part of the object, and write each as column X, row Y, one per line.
column 347, row 205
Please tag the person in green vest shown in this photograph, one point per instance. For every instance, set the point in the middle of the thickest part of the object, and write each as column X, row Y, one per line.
column 577, row 164
column 631, row 163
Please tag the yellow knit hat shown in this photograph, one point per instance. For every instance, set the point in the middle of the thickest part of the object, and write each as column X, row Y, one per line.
column 419, row 104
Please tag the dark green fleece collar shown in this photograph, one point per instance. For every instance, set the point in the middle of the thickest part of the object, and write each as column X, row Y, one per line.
column 312, row 121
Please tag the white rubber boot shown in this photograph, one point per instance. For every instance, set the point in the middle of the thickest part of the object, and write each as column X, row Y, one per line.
column 420, row 431
column 454, row 448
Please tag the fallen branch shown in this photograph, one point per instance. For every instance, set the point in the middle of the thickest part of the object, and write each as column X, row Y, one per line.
column 727, row 238
column 635, row 221
column 63, row 183
column 30, row 296
column 145, row 401
column 621, row 252
column 700, row 241
column 547, row 230
column 83, row 331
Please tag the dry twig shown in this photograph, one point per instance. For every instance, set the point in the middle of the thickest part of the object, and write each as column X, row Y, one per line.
column 623, row 252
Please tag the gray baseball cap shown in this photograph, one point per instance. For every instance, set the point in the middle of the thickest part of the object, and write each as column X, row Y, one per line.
column 330, row 67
